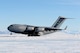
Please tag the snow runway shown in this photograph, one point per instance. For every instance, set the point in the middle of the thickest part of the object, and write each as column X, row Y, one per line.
column 24, row 44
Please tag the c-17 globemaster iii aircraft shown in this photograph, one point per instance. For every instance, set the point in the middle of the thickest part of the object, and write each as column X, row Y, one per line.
column 37, row 30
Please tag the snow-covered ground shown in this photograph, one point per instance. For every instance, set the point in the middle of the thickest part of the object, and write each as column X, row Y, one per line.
column 52, row 43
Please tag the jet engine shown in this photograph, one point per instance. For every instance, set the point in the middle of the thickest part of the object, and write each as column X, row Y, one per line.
column 40, row 29
column 30, row 28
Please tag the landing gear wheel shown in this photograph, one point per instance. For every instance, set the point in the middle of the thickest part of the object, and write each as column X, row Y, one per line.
column 33, row 35
column 36, row 35
column 10, row 33
column 29, row 34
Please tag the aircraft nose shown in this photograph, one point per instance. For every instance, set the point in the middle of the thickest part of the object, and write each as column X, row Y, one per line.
column 17, row 28
column 10, row 27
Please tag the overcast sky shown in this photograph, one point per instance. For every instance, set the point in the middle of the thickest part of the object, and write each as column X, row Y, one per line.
column 39, row 12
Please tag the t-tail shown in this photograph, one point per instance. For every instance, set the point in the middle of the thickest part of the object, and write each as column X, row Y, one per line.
column 58, row 22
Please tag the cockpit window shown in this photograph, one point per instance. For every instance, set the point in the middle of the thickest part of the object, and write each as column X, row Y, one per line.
column 11, row 25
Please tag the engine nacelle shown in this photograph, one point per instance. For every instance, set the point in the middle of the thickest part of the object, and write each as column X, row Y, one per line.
column 40, row 29
column 30, row 28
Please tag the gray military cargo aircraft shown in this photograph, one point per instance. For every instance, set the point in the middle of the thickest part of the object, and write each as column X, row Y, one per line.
column 37, row 30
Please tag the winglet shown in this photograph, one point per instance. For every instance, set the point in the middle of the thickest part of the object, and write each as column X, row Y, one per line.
column 65, row 28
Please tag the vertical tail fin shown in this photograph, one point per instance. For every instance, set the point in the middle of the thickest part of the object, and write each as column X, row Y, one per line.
column 58, row 22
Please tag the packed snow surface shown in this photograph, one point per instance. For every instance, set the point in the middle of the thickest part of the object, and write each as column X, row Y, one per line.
column 52, row 43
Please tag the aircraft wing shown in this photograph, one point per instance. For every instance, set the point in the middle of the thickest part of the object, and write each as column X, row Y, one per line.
column 45, row 30
column 50, row 30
